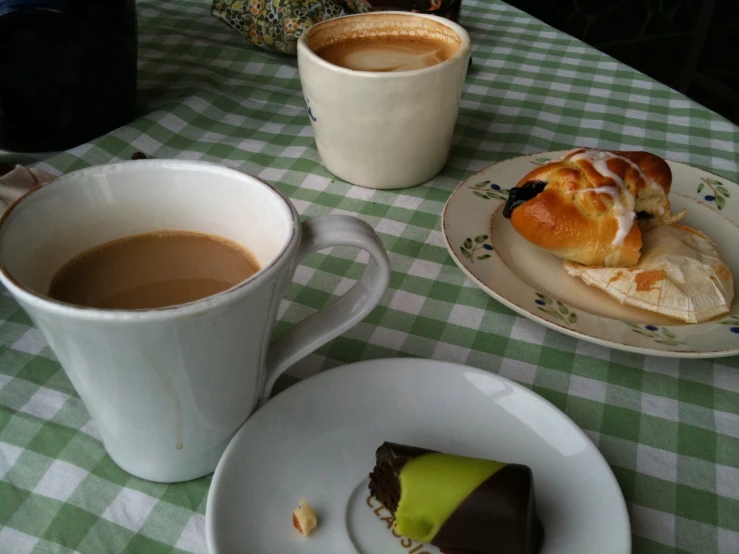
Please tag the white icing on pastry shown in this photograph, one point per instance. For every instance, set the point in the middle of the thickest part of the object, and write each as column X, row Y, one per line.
column 622, row 212
column 624, row 201
column 647, row 179
column 599, row 160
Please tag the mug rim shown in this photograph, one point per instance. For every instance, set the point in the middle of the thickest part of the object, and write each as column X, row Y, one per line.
column 188, row 309
column 461, row 32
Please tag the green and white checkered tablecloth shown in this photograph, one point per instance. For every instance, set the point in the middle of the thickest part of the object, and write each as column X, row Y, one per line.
column 669, row 428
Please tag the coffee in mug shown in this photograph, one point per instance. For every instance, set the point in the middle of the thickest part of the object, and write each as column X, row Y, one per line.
column 168, row 387
column 153, row 270
column 383, row 91
column 392, row 52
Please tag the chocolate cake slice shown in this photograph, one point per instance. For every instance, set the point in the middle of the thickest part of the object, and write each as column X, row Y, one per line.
column 460, row 505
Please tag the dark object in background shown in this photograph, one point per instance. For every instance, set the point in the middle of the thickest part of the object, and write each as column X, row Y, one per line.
column 689, row 45
column 276, row 25
column 443, row 8
column 67, row 71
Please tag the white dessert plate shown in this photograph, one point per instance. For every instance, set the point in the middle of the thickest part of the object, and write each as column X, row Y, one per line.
column 318, row 438
column 533, row 282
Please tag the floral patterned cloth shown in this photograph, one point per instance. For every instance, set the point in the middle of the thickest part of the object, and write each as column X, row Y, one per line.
column 276, row 25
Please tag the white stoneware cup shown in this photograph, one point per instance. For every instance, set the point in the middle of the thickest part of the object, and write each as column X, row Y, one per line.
column 169, row 387
column 382, row 130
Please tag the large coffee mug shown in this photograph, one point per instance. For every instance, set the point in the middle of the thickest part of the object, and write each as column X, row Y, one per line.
column 383, row 129
column 169, row 387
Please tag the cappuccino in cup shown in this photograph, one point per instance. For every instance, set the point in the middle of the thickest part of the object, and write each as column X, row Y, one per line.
column 392, row 52
column 383, row 92
column 153, row 270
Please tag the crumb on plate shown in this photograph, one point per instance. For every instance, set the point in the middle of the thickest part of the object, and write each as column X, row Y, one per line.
column 304, row 518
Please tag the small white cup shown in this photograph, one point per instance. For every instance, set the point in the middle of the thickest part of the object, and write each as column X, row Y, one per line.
column 382, row 130
column 169, row 387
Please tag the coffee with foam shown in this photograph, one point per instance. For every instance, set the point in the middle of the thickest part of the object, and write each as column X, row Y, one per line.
column 384, row 43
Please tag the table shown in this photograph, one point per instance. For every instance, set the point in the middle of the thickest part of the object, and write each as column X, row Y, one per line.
column 669, row 428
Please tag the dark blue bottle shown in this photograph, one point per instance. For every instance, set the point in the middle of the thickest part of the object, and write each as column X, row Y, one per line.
column 67, row 71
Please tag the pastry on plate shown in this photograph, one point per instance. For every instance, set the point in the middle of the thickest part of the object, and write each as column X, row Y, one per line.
column 458, row 504
column 680, row 274
column 584, row 207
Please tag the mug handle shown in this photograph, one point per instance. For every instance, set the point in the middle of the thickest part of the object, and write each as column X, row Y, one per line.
column 328, row 323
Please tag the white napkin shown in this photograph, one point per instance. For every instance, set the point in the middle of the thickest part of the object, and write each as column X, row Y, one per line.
column 18, row 182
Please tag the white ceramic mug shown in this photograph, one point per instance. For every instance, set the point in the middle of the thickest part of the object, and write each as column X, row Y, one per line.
column 382, row 130
column 169, row 387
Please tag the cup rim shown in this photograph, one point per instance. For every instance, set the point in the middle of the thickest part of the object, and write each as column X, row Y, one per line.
column 187, row 310
column 463, row 52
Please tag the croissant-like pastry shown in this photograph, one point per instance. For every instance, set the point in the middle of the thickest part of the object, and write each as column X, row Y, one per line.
column 680, row 274
column 584, row 207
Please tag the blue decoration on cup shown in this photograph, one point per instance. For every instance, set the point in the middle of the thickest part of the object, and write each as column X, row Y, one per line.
column 310, row 111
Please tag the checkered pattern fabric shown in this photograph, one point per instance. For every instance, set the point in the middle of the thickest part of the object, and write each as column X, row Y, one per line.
column 669, row 428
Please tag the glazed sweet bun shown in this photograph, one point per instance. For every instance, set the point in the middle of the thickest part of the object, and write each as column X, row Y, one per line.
column 584, row 208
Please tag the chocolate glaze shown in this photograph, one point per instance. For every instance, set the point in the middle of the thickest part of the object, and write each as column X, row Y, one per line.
column 498, row 517
column 519, row 195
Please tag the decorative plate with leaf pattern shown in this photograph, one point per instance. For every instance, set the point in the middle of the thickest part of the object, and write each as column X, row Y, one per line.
column 533, row 282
